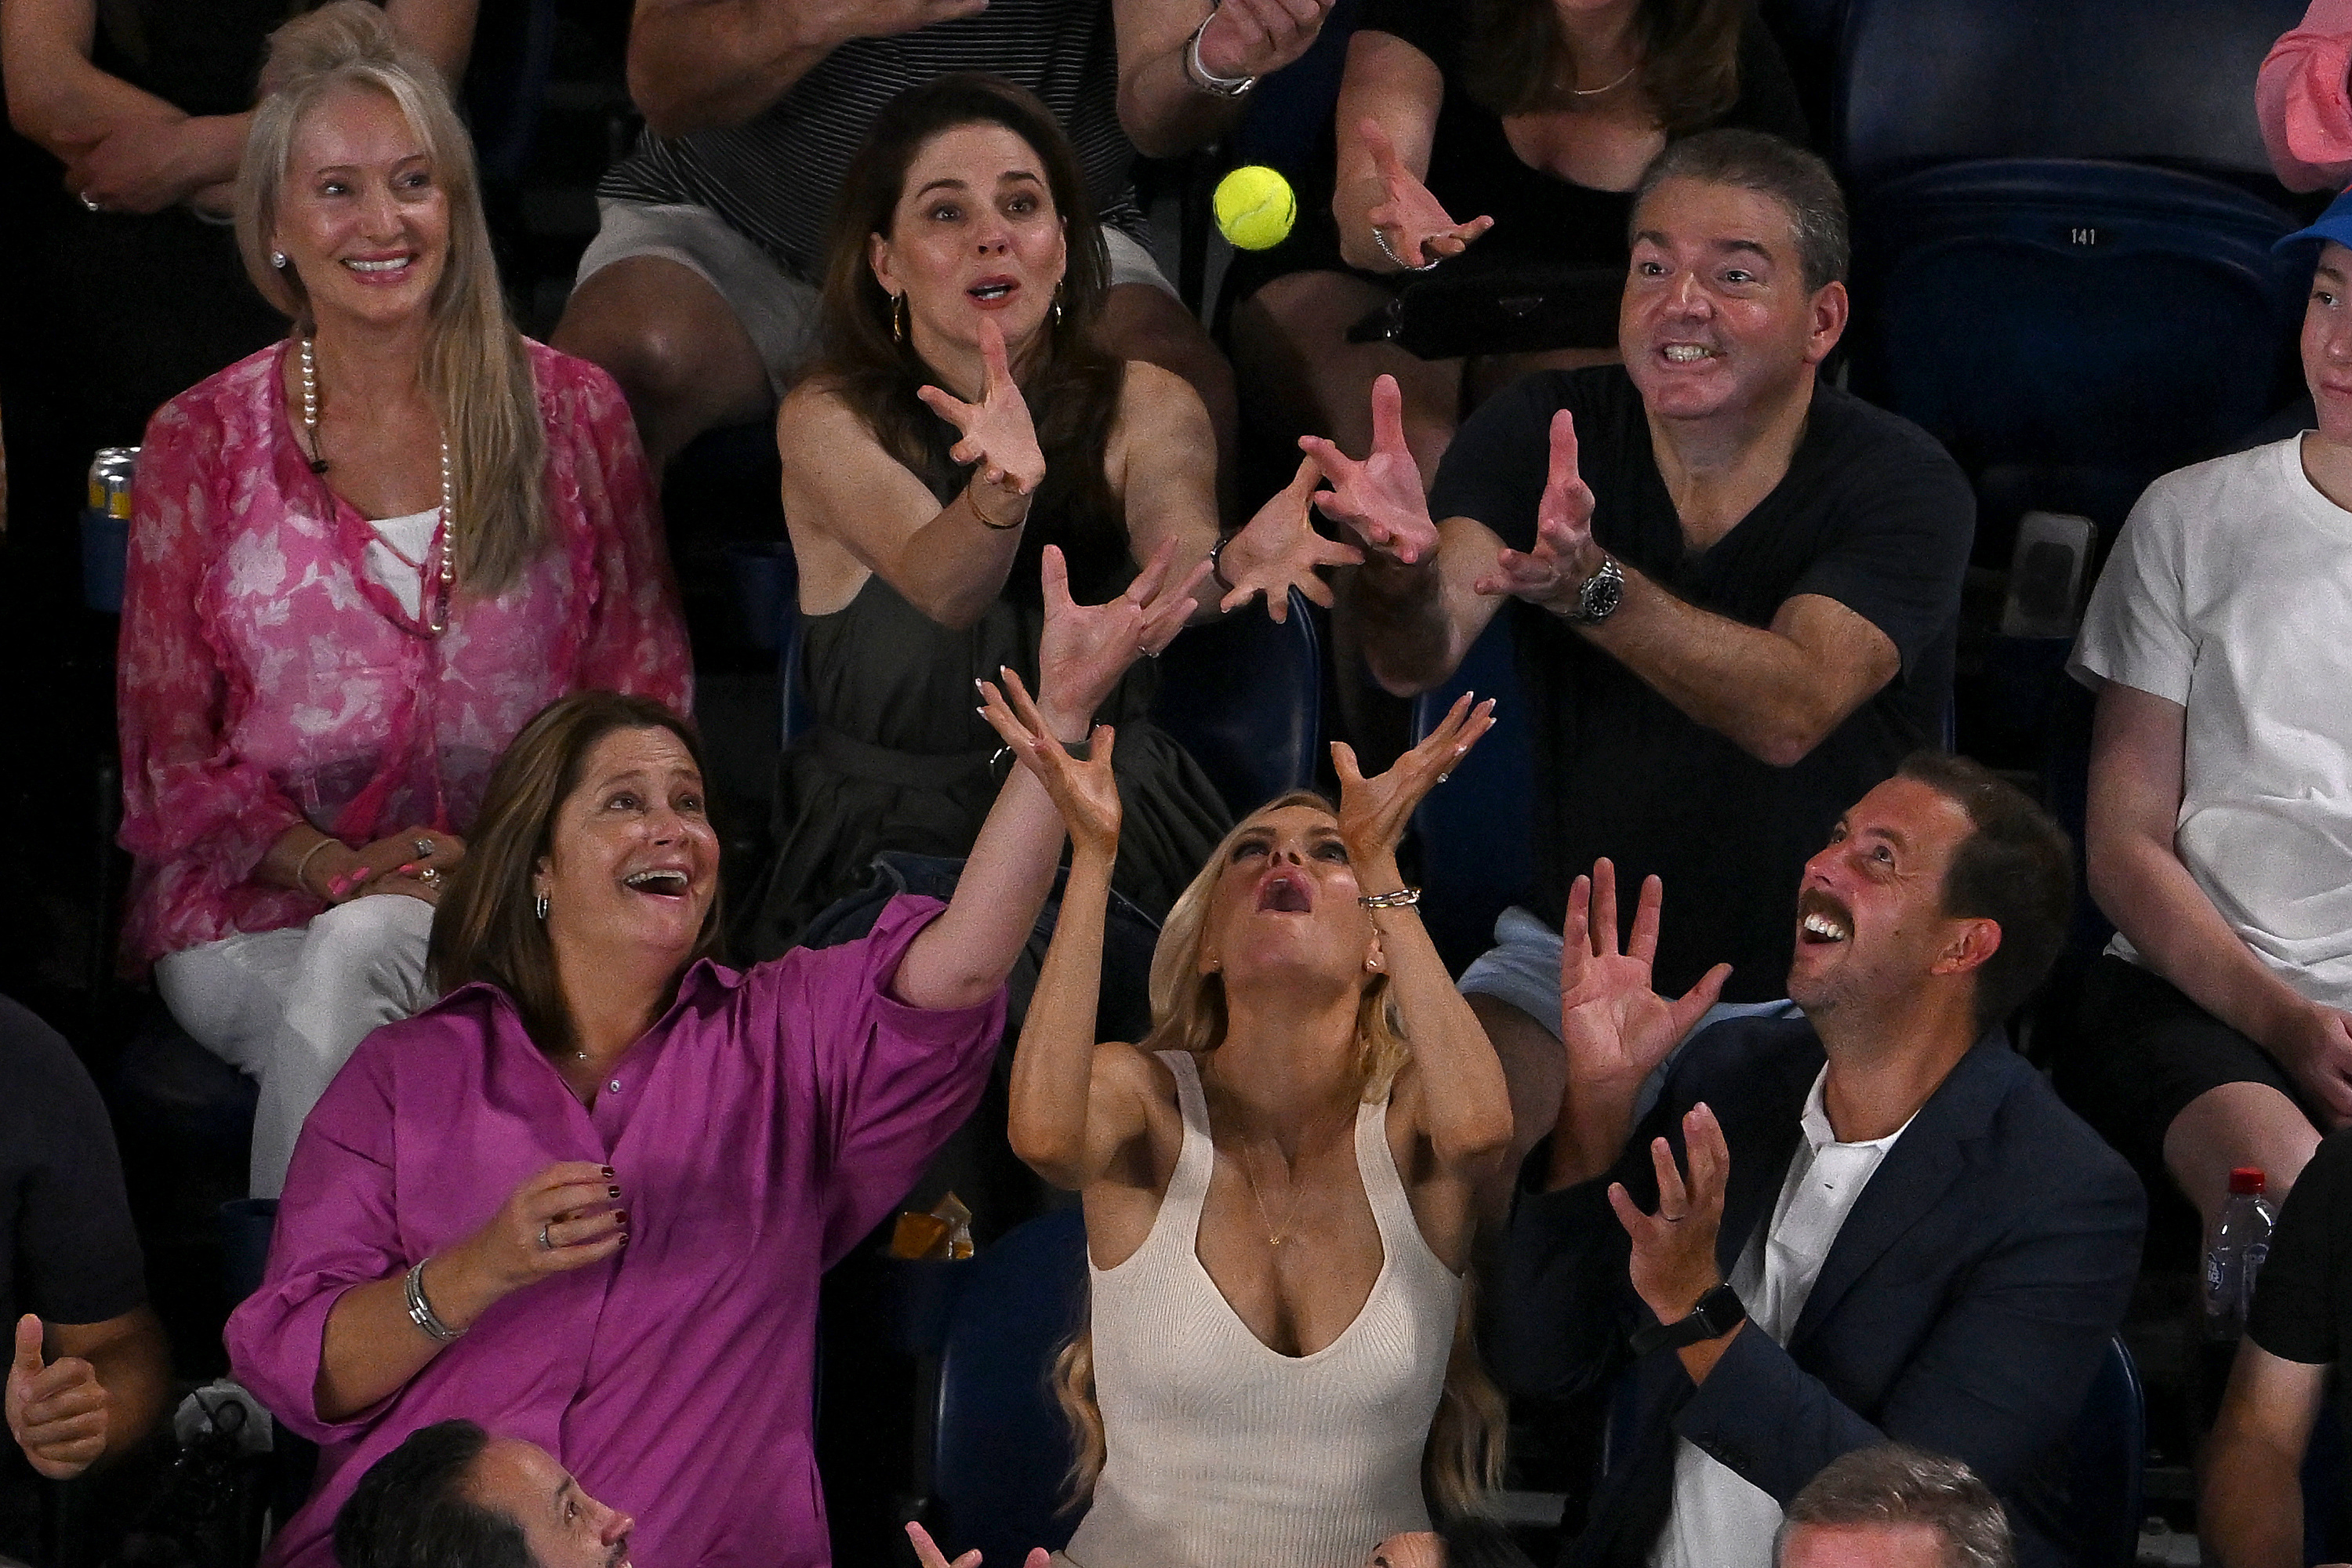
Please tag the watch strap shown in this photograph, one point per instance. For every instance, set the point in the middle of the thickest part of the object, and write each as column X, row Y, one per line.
column 1718, row 1314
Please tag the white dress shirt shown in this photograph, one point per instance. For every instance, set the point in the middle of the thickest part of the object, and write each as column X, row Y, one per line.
column 1719, row 1520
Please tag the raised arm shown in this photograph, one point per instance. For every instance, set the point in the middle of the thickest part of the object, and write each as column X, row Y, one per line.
column 962, row 958
column 1462, row 1107
column 2138, row 750
column 844, row 493
column 1774, row 692
column 2301, row 101
column 1164, row 105
column 1414, row 595
column 702, row 65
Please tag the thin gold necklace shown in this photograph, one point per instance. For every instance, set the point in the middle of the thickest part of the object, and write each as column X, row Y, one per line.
column 1275, row 1235
column 1597, row 91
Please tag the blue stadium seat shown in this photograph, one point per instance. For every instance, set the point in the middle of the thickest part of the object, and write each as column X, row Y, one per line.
column 2071, row 330
column 1476, row 829
column 2165, row 81
column 1000, row 1445
column 1244, row 696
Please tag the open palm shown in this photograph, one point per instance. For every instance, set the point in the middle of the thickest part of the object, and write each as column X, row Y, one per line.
column 1085, row 648
column 1615, row 1029
column 1381, row 498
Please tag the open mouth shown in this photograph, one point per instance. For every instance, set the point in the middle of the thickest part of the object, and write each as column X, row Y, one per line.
column 1822, row 921
column 661, row 882
column 1285, row 893
column 991, row 290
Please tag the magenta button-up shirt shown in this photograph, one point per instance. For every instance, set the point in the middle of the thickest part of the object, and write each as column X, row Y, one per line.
column 765, row 1124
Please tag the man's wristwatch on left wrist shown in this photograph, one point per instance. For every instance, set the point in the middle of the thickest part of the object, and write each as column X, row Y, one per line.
column 1718, row 1314
column 1599, row 596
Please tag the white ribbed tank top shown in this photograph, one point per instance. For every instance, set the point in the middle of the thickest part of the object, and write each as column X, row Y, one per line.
column 1224, row 1453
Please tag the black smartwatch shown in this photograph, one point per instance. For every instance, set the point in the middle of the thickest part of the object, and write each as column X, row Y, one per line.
column 1718, row 1314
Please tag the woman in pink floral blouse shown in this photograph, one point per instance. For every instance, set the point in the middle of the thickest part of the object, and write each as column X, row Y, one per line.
column 361, row 560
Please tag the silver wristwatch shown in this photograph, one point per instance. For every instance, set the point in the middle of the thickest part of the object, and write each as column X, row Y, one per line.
column 1598, row 598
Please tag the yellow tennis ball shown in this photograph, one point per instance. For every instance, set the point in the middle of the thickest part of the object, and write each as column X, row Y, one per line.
column 1255, row 207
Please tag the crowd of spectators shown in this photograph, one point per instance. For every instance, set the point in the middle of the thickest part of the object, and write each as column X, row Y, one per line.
column 1726, row 1126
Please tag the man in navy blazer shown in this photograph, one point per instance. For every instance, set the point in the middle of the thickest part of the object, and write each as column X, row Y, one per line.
column 1872, row 1222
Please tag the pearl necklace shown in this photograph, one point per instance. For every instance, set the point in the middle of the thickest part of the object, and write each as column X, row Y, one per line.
column 437, row 620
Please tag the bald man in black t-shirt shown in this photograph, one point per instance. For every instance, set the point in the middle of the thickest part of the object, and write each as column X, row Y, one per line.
column 1733, row 590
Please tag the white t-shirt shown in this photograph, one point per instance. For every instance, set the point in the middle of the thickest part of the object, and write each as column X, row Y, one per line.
column 395, row 553
column 2229, row 592
column 1719, row 1518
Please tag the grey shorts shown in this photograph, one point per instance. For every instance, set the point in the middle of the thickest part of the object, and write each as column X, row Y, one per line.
column 1522, row 970
column 778, row 309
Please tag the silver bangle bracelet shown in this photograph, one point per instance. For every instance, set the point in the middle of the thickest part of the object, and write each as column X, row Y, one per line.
column 420, row 1310
column 1382, row 241
column 1403, row 898
column 1198, row 74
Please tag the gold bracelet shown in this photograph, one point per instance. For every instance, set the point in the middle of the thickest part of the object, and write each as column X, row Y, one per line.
column 300, row 866
column 973, row 502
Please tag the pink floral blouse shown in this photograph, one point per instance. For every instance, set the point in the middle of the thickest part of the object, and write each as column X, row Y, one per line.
column 266, row 679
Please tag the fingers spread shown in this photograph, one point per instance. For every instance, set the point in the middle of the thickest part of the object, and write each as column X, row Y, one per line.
column 1644, row 945
column 1604, row 907
column 1686, row 1011
column 1388, row 416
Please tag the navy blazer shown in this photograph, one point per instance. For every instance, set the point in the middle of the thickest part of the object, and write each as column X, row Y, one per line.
column 1963, row 1308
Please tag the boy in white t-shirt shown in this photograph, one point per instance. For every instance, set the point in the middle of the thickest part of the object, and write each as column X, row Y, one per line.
column 2220, row 836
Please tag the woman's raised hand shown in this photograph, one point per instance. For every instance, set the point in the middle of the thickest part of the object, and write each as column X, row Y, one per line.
column 1085, row 792
column 567, row 1216
column 927, row 1552
column 1409, row 223
column 1373, row 812
column 1279, row 549
column 1085, row 648
column 1379, row 498
column 997, row 435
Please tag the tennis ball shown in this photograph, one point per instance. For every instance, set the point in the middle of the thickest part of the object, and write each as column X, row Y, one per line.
column 1255, row 207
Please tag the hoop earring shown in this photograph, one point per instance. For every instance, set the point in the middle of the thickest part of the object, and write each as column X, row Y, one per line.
column 898, row 318
column 277, row 259
column 1057, row 304
column 538, row 905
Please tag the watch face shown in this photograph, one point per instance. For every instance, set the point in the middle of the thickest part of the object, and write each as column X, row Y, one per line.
column 1602, row 593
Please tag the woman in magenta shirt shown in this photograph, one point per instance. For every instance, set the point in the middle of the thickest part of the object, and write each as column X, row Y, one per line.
column 586, row 1198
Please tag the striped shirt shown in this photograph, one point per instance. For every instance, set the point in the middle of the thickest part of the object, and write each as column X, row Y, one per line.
column 773, row 178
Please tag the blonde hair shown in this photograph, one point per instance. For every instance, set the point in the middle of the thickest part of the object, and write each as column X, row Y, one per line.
column 476, row 366
column 1464, row 1457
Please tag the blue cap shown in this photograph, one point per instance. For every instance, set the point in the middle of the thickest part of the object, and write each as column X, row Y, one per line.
column 2334, row 224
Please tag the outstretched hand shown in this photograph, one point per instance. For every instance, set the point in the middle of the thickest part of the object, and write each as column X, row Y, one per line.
column 1614, row 1028
column 1381, row 498
column 1565, row 555
column 928, row 1553
column 1085, row 792
column 1415, row 229
column 1279, row 549
column 1085, row 648
column 1258, row 38
column 1673, row 1262
column 58, row 1412
column 997, row 435
column 1373, row 812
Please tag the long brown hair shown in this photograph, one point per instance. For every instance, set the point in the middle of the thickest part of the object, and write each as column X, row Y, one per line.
column 1071, row 385
column 1518, row 59
column 486, row 926
column 1463, row 1460
column 477, row 368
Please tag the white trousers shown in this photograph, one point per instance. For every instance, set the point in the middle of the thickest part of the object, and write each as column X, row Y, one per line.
column 291, row 1006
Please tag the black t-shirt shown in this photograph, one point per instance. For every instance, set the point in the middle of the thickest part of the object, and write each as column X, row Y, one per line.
column 67, row 1250
column 2303, row 1298
column 1871, row 513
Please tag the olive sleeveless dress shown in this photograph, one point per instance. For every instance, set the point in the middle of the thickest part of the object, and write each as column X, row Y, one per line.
column 899, row 758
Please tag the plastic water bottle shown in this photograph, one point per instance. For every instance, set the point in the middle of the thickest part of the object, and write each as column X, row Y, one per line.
column 2241, row 1241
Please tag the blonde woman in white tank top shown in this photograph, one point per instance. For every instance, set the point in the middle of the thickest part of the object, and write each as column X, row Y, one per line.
column 1279, row 1184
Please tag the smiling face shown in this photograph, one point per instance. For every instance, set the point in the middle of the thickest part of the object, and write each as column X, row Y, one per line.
column 362, row 220
column 1285, row 901
column 975, row 234
column 564, row 1527
column 633, row 864
column 2327, row 343
column 1716, row 318
column 1871, row 925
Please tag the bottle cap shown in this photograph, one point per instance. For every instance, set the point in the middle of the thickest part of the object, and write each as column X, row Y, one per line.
column 2246, row 1179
